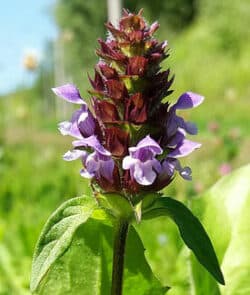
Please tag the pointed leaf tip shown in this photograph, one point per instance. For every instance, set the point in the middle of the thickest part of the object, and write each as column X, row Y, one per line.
column 192, row 233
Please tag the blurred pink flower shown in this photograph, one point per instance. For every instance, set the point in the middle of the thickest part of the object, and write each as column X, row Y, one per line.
column 225, row 168
column 213, row 126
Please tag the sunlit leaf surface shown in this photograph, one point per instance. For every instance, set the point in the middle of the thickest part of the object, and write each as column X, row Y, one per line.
column 75, row 257
column 226, row 208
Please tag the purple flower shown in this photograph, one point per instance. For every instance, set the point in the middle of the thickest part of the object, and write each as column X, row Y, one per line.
column 82, row 126
column 186, row 100
column 175, row 137
column 97, row 164
column 82, row 122
column 141, row 161
column 176, row 127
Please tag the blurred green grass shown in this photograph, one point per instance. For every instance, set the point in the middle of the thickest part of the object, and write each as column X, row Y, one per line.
column 209, row 57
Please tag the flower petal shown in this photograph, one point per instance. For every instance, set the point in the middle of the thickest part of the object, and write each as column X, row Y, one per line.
column 74, row 154
column 92, row 164
column 168, row 166
column 144, row 174
column 86, row 123
column 95, row 166
column 172, row 124
column 183, row 149
column 69, row 92
column 84, row 173
column 64, row 127
column 176, row 139
column 107, row 168
column 69, row 128
column 128, row 162
column 189, row 127
column 188, row 100
column 92, row 142
column 156, row 165
column 149, row 143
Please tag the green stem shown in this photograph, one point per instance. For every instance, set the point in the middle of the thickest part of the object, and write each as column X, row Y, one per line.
column 118, row 256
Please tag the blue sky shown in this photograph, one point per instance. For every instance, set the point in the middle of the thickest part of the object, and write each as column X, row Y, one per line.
column 25, row 25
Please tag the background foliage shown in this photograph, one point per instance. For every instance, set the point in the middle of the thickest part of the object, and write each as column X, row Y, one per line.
column 210, row 47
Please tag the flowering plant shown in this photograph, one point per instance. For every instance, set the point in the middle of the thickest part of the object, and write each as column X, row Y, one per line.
column 129, row 140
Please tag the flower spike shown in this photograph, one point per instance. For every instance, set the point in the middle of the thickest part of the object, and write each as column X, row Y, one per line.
column 131, row 140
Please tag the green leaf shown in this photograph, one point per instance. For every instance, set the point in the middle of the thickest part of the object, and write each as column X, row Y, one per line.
column 87, row 266
column 83, row 269
column 139, row 278
column 224, row 210
column 191, row 230
column 57, row 235
column 83, row 262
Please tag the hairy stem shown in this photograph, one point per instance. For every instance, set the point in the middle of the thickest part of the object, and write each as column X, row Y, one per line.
column 120, row 237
